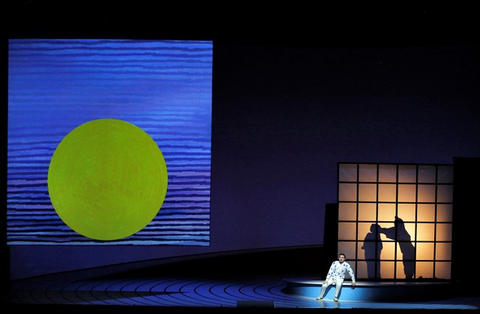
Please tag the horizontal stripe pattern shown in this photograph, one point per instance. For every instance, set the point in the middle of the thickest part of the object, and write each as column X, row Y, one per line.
column 163, row 87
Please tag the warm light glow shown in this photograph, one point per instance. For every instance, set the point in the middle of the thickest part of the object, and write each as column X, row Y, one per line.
column 346, row 231
column 418, row 243
column 348, row 248
column 388, row 251
column 347, row 211
column 406, row 193
column 444, row 232
column 386, row 212
column 406, row 212
column 443, row 251
column 347, row 192
column 444, row 212
column 387, row 269
column 367, row 173
column 426, row 193
column 426, row 212
column 425, row 251
column 424, row 269
column 443, row 269
column 366, row 211
column 367, row 192
column 425, row 231
column 387, row 192
column 363, row 229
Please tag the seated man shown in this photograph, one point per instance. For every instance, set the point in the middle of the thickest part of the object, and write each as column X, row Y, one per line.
column 336, row 275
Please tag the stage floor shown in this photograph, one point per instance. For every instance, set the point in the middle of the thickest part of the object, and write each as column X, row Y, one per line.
column 187, row 292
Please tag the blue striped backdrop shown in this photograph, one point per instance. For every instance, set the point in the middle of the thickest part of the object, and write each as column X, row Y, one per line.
column 163, row 87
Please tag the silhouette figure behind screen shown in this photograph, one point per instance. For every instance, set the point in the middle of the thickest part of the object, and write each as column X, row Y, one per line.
column 373, row 248
column 401, row 236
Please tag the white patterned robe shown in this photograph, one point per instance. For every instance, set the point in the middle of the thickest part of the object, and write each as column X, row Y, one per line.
column 337, row 271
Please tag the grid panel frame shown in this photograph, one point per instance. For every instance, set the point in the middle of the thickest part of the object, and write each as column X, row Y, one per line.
column 389, row 212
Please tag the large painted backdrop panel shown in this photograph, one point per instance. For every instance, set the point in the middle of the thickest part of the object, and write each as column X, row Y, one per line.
column 162, row 87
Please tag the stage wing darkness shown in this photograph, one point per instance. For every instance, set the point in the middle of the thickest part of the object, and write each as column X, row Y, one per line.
column 163, row 87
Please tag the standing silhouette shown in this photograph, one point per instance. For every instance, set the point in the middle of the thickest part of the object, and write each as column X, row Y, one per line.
column 373, row 246
column 402, row 237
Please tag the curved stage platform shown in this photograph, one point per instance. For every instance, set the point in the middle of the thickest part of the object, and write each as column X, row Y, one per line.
column 384, row 291
column 254, row 280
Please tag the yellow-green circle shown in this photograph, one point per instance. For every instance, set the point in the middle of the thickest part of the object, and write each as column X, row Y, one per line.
column 107, row 179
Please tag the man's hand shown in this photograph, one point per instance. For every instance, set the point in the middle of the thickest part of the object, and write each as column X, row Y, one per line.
column 353, row 285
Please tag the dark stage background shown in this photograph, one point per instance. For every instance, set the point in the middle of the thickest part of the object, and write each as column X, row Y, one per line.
column 289, row 103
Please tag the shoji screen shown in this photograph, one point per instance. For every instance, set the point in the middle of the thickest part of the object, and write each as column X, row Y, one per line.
column 395, row 220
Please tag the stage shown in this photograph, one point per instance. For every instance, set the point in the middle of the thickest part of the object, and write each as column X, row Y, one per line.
column 282, row 280
column 374, row 291
column 245, row 292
